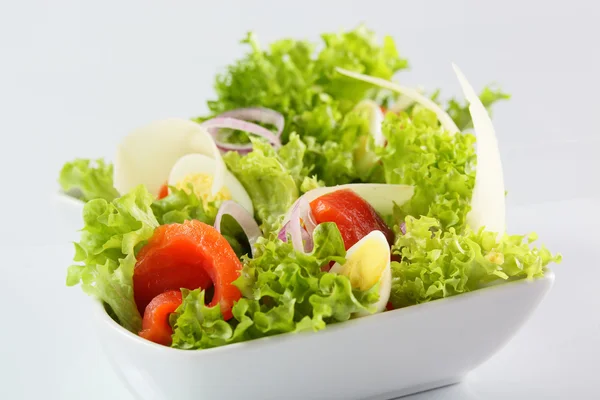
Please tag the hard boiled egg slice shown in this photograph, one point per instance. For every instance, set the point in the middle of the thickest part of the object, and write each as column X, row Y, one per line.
column 199, row 171
column 147, row 155
column 368, row 263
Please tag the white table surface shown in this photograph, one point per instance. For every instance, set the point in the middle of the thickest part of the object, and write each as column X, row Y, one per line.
column 76, row 76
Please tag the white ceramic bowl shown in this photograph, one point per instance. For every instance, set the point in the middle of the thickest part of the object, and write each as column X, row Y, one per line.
column 382, row 356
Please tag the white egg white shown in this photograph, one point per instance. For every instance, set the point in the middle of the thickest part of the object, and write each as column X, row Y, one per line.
column 376, row 241
column 147, row 155
column 202, row 164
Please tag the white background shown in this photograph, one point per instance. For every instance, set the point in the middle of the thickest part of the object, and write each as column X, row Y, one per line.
column 76, row 76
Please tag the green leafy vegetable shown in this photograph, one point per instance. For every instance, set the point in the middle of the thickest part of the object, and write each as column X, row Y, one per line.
column 181, row 205
column 459, row 110
column 440, row 165
column 438, row 263
column 284, row 291
column 348, row 158
column 88, row 179
column 333, row 164
column 291, row 157
column 302, row 84
column 356, row 50
column 112, row 234
column 270, row 185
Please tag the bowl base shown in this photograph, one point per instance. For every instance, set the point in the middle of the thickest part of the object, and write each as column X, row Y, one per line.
column 417, row 389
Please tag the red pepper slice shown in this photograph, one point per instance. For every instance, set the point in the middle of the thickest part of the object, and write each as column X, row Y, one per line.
column 163, row 192
column 190, row 255
column 155, row 325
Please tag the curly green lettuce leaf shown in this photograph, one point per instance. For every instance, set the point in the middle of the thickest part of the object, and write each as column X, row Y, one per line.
column 279, row 78
column 270, row 185
column 291, row 156
column 437, row 263
column 440, row 165
column 279, row 275
column 198, row 326
column 112, row 233
column 181, row 205
column 356, row 50
column 88, row 179
column 283, row 291
column 310, row 183
column 332, row 163
column 350, row 157
column 459, row 110
column 301, row 83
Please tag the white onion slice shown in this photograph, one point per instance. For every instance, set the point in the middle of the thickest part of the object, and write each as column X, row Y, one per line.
column 295, row 228
column 226, row 122
column 488, row 206
column 381, row 196
column 147, row 154
column 376, row 118
column 258, row 114
column 243, row 217
column 446, row 121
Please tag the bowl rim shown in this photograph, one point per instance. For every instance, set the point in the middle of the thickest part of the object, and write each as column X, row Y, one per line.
column 103, row 318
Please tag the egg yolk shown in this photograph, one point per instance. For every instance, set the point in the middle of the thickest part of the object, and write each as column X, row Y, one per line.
column 202, row 185
column 366, row 264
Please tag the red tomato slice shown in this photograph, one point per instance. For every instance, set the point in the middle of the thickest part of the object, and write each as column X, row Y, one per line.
column 354, row 217
column 190, row 255
column 155, row 325
column 163, row 192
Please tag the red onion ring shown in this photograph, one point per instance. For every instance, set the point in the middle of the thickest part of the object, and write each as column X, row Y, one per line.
column 403, row 227
column 243, row 217
column 306, row 238
column 213, row 125
column 258, row 114
column 301, row 236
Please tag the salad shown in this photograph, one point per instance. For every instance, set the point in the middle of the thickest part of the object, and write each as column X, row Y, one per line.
column 316, row 190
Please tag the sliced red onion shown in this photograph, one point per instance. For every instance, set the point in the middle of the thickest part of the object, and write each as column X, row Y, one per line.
column 240, row 148
column 309, row 220
column 301, row 236
column 403, row 228
column 306, row 237
column 213, row 125
column 295, row 228
column 243, row 217
column 258, row 114
column 308, row 241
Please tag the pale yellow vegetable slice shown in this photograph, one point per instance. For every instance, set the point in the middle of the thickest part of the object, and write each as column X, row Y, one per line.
column 488, row 206
column 446, row 121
